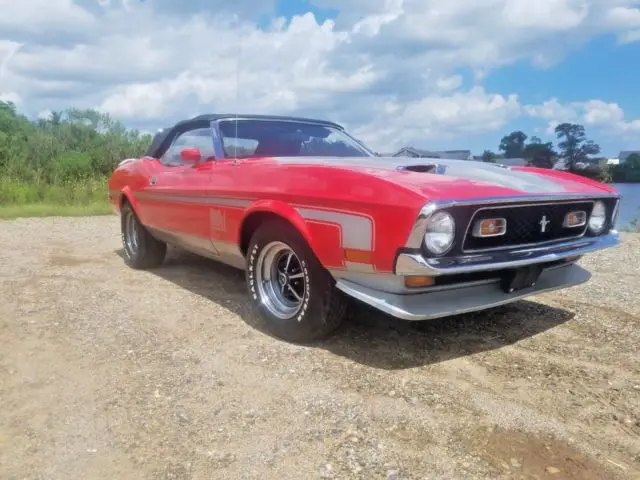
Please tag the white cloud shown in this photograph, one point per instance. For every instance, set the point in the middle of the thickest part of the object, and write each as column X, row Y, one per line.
column 608, row 117
column 153, row 62
column 45, row 115
column 545, row 15
column 439, row 117
column 624, row 17
column 10, row 97
column 36, row 15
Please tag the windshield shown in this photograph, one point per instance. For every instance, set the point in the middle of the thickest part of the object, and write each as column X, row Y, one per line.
column 284, row 138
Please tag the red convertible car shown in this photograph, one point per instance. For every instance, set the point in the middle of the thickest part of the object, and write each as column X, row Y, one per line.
column 315, row 217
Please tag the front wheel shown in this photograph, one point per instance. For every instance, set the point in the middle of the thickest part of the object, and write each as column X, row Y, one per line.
column 293, row 294
column 141, row 249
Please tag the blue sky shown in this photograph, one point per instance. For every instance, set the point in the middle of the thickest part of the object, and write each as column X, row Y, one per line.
column 602, row 69
column 433, row 74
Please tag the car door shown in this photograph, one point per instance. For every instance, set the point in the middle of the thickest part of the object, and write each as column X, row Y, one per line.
column 178, row 192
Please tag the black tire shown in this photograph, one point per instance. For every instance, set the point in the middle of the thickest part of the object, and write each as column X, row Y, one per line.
column 147, row 251
column 322, row 308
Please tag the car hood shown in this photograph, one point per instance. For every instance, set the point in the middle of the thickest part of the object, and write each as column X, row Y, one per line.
column 459, row 178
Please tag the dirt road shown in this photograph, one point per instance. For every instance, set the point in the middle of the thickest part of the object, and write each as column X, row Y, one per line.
column 111, row 373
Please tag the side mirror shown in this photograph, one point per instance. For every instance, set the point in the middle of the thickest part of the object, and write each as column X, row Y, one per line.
column 191, row 155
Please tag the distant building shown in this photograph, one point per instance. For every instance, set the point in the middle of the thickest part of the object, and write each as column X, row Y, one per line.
column 419, row 153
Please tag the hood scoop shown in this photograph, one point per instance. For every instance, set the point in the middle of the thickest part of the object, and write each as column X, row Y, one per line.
column 423, row 168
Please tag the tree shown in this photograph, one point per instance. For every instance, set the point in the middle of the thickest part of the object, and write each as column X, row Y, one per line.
column 8, row 107
column 489, row 156
column 539, row 154
column 633, row 161
column 70, row 146
column 513, row 144
column 574, row 146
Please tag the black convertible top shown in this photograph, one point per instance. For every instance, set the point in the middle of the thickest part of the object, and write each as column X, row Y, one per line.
column 163, row 138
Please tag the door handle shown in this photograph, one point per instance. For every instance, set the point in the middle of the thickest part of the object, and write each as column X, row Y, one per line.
column 153, row 181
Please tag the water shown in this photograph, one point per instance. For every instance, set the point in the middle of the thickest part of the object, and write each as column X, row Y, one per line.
column 630, row 205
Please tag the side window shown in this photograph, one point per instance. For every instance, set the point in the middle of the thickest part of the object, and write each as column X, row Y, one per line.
column 200, row 138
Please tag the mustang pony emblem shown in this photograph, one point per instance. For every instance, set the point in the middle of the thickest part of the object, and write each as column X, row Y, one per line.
column 543, row 223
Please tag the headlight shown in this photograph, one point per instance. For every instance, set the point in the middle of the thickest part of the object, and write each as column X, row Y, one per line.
column 598, row 218
column 440, row 233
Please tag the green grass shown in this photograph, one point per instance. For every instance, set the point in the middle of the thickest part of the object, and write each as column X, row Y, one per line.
column 49, row 210
column 76, row 198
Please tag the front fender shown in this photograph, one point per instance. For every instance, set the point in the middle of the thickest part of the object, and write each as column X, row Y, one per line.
column 125, row 194
column 281, row 209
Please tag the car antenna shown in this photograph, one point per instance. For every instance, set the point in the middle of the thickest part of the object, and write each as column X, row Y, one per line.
column 238, row 54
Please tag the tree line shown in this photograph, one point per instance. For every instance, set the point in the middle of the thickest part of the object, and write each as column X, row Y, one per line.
column 69, row 145
column 573, row 148
column 80, row 148
column 63, row 159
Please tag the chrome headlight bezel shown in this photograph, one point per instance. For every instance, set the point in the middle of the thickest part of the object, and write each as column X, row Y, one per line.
column 598, row 218
column 440, row 226
column 614, row 215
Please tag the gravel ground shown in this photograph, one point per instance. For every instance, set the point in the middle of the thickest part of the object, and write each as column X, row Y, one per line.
column 111, row 373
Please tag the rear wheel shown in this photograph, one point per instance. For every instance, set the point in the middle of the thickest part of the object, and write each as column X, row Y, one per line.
column 141, row 249
column 293, row 294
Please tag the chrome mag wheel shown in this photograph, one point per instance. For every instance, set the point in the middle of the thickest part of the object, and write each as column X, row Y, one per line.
column 280, row 280
column 131, row 234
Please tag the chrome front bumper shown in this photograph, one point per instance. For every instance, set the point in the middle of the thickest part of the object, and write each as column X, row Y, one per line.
column 416, row 264
column 452, row 299
column 461, row 298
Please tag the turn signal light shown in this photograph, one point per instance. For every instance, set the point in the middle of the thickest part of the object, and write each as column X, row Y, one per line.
column 416, row 281
column 575, row 219
column 490, row 227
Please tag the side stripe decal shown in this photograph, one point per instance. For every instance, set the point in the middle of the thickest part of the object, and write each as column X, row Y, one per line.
column 193, row 199
column 357, row 230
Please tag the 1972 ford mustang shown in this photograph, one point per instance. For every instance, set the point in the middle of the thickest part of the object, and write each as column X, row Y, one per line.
column 314, row 217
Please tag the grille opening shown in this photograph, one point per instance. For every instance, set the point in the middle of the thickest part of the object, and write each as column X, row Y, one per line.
column 524, row 215
column 527, row 225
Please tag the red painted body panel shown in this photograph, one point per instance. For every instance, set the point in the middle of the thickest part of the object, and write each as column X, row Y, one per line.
column 570, row 177
column 212, row 200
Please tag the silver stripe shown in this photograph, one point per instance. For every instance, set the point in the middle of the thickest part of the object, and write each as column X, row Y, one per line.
column 219, row 250
column 228, row 249
column 359, row 267
column 195, row 199
column 202, row 245
column 477, row 171
column 357, row 230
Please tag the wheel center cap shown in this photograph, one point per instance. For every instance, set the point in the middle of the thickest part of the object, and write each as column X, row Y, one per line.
column 282, row 278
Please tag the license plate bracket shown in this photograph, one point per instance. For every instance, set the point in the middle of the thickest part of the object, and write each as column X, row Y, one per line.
column 520, row 278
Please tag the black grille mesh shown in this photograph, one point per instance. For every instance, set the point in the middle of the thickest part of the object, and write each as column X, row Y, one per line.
column 524, row 224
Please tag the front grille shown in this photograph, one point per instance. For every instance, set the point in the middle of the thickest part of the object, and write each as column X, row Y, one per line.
column 525, row 224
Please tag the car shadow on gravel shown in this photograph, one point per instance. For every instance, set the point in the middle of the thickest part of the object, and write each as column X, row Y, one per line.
column 368, row 336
